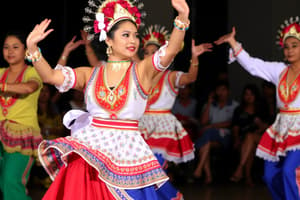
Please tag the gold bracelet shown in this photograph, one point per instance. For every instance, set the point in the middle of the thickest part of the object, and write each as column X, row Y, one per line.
column 194, row 64
column 64, row 57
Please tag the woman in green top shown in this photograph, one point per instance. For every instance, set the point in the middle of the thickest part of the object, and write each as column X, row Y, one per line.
column 19, row 130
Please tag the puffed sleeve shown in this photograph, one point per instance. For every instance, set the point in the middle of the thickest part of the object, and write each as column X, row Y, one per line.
column 70, row 78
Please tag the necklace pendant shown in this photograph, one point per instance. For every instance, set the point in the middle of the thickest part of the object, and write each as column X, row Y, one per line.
column 116, row 67
column 111, row 98
column 4, row 111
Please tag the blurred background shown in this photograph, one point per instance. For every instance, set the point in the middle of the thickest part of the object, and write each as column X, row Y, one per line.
column 256, row 23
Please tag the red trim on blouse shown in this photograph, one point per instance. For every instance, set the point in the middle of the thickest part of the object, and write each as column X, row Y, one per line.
column 138, row 80
column 171, row 85
column 156, row 91
column 288, row 94
column 153, row 63
column 75, row 78
column 112, row 100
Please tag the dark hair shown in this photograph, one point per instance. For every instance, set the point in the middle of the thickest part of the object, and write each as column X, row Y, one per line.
column 222, row 83
column 255, row 91
column 18, row 34
column 100, row 48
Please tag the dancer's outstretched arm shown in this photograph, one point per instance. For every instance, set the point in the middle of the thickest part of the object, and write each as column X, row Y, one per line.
column 69, row 47
column 149, row 69
column 49, row 75
column 228, row 38
column 268, row 71
column 191, row 76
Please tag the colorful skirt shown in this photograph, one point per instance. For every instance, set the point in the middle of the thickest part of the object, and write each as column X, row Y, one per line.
column 16, row 137
column 166, row 136
column 282, row 136
column 119, row 163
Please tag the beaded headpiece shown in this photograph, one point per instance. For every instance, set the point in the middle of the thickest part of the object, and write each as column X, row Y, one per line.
column 155, row 34
column 102, row 15
column 290, row 28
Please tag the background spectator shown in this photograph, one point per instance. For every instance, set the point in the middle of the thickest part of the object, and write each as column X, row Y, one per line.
column 216, row 122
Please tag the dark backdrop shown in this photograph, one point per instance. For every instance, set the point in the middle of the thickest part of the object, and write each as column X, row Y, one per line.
column 208, row 22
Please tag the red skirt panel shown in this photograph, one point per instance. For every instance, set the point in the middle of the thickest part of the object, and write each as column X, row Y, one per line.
column 80, row 181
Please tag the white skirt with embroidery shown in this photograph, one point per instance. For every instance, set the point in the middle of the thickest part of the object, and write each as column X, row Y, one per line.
column 121, row 157
column 166, row 136
column 282, row 136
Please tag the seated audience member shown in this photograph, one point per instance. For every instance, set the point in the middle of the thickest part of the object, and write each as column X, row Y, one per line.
column 184, row 109
column 248, row 124
column 216, row 121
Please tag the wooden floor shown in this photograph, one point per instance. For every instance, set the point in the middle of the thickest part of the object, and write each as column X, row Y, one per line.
column 225, row 191
column 193, row 191
column 220, row 189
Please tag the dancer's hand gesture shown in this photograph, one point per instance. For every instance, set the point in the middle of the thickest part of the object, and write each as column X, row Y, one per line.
column 181, row 7
column 201, row 48
column 38, row 34
column 72, row 45
column 229, row 38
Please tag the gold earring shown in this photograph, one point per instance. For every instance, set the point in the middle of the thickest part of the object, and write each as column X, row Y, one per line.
column 109, row 51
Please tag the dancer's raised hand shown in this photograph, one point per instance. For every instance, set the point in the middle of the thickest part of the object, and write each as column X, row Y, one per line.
column 229, row 38
column 181, row 7
column 201, row 48
column 38, row 33
column 72, row 45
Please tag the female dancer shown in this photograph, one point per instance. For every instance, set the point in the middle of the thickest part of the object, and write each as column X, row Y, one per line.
column 280, row 144
column 105, row 157
column 20, row 132
column 160, row 128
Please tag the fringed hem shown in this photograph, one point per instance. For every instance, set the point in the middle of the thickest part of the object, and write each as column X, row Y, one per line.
column 180, row 150
column 176, row 158
column 54, row 154
column 274, row 145
column 16, row 137
column 274, row 158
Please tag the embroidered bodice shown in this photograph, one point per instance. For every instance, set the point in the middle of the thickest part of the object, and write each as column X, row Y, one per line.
column 163, row 95
column 288, row 94
column 126, row 101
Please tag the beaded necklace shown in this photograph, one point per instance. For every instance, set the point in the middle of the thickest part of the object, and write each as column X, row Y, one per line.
column 116, row 65
column 8, row 101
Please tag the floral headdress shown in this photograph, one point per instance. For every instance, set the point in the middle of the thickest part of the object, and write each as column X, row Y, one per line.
column 101, row 15
column 155, row 34
column 290, row 28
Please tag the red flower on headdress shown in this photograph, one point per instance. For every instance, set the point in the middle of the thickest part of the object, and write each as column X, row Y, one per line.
column 96, row 29
column 145, row 38
column 124, row 4
column 286, row 30
column 109, row 10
